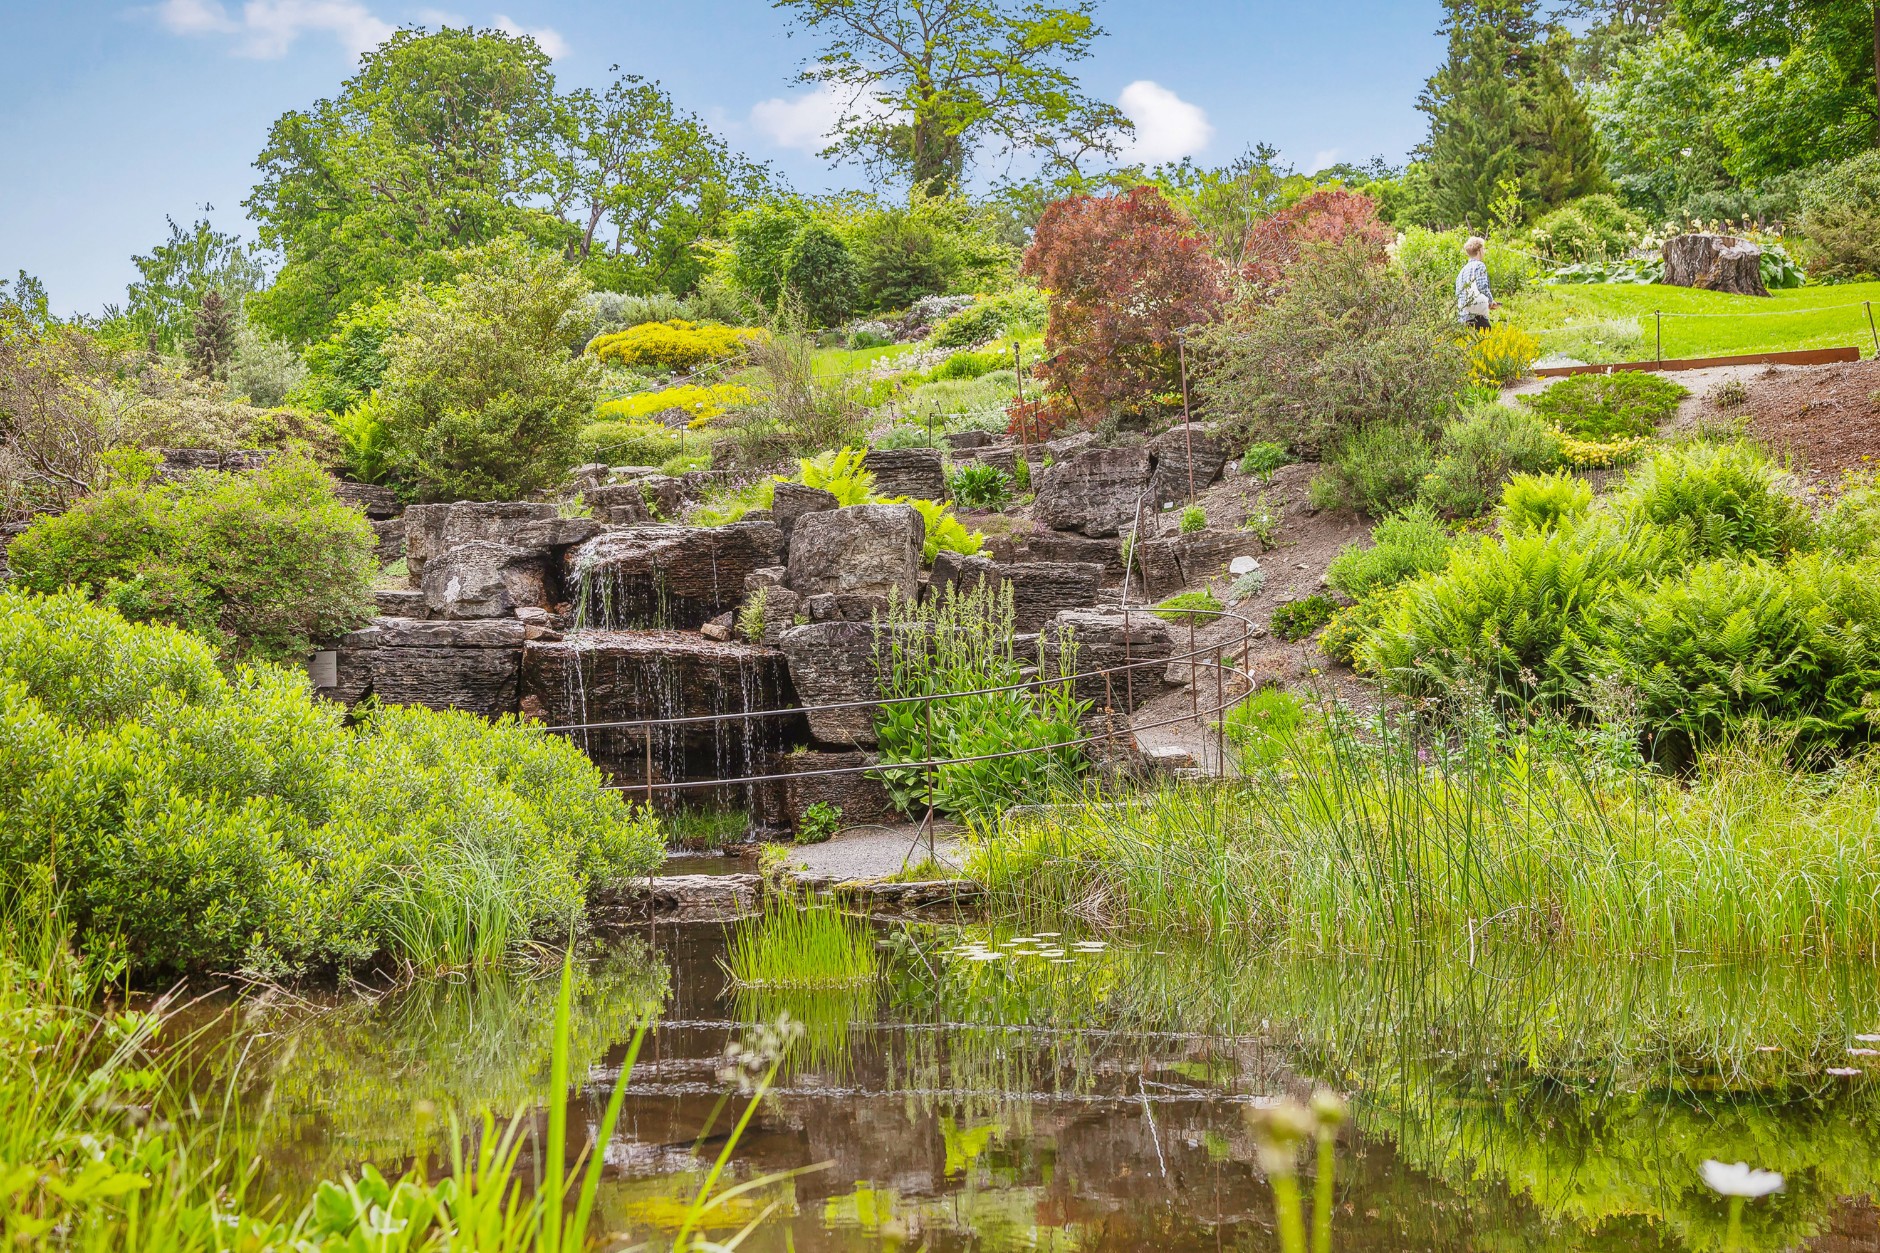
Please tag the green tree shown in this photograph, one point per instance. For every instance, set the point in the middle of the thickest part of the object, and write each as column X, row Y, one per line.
column 638, row 182
column 174, row 276
column 211, row 345
column 1659, row 115
column 931, row 245
column 927, row 83
column 432, row 147
column 1475, row 107
column 821, row 273
column 761, row 238
column 1567, row 160
column 481, row 399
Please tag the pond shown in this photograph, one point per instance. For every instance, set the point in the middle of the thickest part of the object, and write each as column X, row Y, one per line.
column 999, row 1090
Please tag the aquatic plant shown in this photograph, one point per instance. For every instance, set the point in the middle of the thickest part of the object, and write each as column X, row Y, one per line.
column 807, row 947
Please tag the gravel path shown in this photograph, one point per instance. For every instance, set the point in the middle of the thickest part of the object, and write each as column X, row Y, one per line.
column 872, row 852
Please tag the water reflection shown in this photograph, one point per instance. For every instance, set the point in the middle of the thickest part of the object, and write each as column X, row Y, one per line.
column 1003, row 1091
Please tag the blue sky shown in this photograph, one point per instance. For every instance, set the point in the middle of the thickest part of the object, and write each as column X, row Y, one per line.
column 112, row 115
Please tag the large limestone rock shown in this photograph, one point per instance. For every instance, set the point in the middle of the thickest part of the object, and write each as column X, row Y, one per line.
column 1095, row 492
column 860, row 798
column 1042, row 589
column 468, row 665
column 1168, row 563
column 833, row 663
column 433, row 530
column 1715, row 263
column 481, row 579
column 955, row 570
column 1171, row 452
column 1070, row 546
column 867, row 550
column 915, row 472
column 665, row 677
column 377, row 503
column 793, row 501
column 555, row 533
column 663, row 576
column 1106, row 639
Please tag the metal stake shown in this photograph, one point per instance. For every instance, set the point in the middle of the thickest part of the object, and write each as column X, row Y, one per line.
column 1660, row 316
column 928, row 704
column 1188, row 423
column 1870, row 327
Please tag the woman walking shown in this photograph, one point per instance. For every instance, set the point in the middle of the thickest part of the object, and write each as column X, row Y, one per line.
column 1474, row 297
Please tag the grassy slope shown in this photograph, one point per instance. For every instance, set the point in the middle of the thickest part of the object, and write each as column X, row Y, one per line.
column 1808, row 317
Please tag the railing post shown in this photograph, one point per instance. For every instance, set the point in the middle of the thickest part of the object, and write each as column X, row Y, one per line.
column 928, row 705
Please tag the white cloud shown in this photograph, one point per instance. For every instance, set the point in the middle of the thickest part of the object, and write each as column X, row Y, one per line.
column 807, row 122
column 1321, row 159
column 547, row 38
column 266, row 29
column 1168, row 128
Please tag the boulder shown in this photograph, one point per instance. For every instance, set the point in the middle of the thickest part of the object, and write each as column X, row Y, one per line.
column 1715, row 263
column 1168, row 563
column 952, row 569
column 399, row 602
column 433, row 530
column 860, row 798
column 1107, row 639
column 780, row 608
column 393, row 632
column 1170, row 452
column 844, row 606
column 1070, row 546
column 1042, row 589
column 665, row 576
column 1095, row 492
column 964, row 441
column 916, row 472
column 377, row 503
column 478, row 680
column 793, row 501
column 555, row 533
column 833, row 663
column 864, row 549
column 663, row 677
column 678, row 898
column 482, row 579
column 626, row 496
column 389, row 540
column 178, row 462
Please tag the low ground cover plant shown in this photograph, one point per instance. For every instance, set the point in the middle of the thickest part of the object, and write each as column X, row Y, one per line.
column 260, row 564
column 699, row 404
column 1198, row 607
column 1296, row 619
column 1618, row 405
column 1403, row 546
column 980, row 486
column 209, row 821
column 671, row 346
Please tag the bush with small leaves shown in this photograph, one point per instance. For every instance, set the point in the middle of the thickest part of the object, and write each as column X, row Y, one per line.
column 1261, row 459
column 1197, row 607
column 1479, row 451
column 1402, row 546
column 980, row 486
column 1296, row 619
column 1538, row 502
column 1604, row 407
column 1376, row 471
column 819, row 823
column 1194, row 518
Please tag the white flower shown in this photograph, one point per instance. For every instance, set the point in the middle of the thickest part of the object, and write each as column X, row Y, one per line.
column 1844, row 1072
column 1740, row 1180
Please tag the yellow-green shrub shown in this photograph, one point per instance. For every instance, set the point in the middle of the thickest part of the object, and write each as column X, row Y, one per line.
column 673, row 345
column 702, row 403
column 1501, row 355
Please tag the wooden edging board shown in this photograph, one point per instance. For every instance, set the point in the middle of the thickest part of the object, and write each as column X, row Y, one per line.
column 1807, row 356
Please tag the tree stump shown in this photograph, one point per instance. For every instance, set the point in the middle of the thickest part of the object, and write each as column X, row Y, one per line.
column 1715, row 263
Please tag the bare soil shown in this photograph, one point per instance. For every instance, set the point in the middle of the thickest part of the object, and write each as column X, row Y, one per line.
column 1826, row 417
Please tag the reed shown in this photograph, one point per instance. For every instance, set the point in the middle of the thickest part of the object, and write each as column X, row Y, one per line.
column 808, row 948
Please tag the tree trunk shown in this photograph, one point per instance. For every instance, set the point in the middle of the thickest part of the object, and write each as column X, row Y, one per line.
column 1876, row 71
column 1715, row 263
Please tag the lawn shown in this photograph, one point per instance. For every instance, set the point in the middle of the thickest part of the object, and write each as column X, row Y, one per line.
column 1588, row 322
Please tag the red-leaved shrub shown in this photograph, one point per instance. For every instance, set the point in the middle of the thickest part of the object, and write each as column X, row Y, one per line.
column 1275, row 244
column 1124, row 274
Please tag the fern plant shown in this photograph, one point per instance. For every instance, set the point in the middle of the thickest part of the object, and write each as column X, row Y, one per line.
column 841, row 473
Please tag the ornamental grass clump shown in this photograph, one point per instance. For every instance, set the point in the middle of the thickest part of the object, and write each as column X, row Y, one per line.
column 801, row 948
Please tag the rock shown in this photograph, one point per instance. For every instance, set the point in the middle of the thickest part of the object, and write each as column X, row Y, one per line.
column 1095, row 492
column 433, row 530
column 918, row 896
column 1167, row 758
column 864, row 549
column 664, row 496
column 1043, row 589
column 178, row 462
column 1068, row 446
column 617, row 496
column 769, row 576
column 844, row 606
column 474, row 633
column 793, row 501
column 399, row 602
column 1169, row 563
column 718, row 628
column 1112, row 639
column 695, row 484
column 377, row 503
column 662, row 677
column 963, row 441
column 635, row 514
column 1070, row 546
column 952, row 569
column 681, row 897
column 833, row 663
column 1158, row 566
column 555, row 533
column 1169, row 453
column 537, row 624
column 481, row 579
column 390, row 540
column 478, row 680
column 1715, row 263
column 860, row 798
column 915, row 472
column 759, row 453
column 780, row 609
column 1243, row 565
column 664, row 576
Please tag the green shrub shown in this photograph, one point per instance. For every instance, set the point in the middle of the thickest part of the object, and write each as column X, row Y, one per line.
column 1851, row 525
column 1296, row 619
column 349, row 364
column 261, row 563
column 967, row 364
column 1432, row 259
column 1611, row 406
column 668, row 347
column 945, row 532
column 964, row 643
column 1480, row 451
column 1798, row 645
column 1515, row 619
column 980, row 486
column 1402, row 546
column 905, row 436
column 1350, row 344
column 819, row 269
column 207, row 821
column 635, row 443
column 1376, row 471
column 1728, row 499
column 819, row 823
column 481, row 398
column 1194, row 518
column 841, row 472
column 1260, row 460
column 1539, row 502
column 1841, row 218
column 1347, row 629
column 1590, row 228
column 1018, row 311
column 1262, row 727
column 1197, row 607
